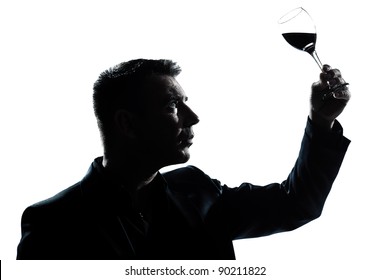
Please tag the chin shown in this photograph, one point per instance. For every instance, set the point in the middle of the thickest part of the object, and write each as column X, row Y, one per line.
column 182, row 156
column 176, row 156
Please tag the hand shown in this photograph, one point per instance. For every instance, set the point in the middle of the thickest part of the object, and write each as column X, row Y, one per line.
column 329, row 97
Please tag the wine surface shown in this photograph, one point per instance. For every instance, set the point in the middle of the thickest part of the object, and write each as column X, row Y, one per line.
column 302, row 41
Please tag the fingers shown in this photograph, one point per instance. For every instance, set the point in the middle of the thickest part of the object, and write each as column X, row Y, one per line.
column 326, row 68
column 331, row 76
column 332, row 84
column 343, row 93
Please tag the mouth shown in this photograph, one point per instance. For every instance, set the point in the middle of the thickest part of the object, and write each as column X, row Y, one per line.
column 185, row 140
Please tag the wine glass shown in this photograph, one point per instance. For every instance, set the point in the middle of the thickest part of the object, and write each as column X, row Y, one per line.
column 299, row 31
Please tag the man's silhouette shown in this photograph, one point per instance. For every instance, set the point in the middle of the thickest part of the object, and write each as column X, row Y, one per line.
column 124, row 208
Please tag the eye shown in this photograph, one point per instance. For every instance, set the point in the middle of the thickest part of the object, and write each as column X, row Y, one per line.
column 173, row 104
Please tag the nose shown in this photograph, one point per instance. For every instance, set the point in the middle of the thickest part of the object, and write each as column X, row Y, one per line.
column 190, row 118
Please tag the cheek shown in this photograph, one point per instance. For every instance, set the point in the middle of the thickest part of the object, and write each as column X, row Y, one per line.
column 169, row 125
column 166, row 129
column 164, row 124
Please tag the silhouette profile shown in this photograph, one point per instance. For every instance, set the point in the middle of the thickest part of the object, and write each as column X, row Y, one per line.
column 124, row 208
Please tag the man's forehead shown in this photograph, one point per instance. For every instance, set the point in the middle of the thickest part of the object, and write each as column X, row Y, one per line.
column 164, row 85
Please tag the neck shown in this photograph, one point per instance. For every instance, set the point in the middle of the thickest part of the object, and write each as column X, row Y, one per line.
column 133, row 175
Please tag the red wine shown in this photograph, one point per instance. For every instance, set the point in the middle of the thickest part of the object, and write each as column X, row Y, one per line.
column 302, row 41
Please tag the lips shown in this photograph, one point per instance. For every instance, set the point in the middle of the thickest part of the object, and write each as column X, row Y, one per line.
column 185, row 140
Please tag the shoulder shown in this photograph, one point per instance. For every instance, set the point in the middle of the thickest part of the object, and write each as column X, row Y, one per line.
column 67, row 201
column 74, row 198
column 192, row 179
column 183, row 173
column 188, row 174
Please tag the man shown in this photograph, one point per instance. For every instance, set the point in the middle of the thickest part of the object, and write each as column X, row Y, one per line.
column 125, row 209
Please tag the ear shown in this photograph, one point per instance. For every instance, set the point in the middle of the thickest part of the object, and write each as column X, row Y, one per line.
column 124, row 121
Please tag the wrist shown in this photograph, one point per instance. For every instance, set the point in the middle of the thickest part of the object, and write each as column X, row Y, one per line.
column 320, row 121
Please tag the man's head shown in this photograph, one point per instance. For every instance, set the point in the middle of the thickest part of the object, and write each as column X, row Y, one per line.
column 141, row 111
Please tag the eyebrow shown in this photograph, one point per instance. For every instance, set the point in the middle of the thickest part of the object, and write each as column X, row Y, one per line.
column 174, row 93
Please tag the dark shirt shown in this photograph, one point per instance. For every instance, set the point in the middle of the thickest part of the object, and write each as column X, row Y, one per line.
column 191, row 216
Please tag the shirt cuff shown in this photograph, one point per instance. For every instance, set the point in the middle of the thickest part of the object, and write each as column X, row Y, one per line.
column 333, row 138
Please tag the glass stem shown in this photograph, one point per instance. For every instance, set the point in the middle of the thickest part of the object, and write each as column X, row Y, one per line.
column 316, row 58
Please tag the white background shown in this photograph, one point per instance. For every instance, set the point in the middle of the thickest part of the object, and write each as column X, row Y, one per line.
column 250, row 89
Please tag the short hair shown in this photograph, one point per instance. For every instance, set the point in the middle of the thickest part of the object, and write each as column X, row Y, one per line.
column 120, row 87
